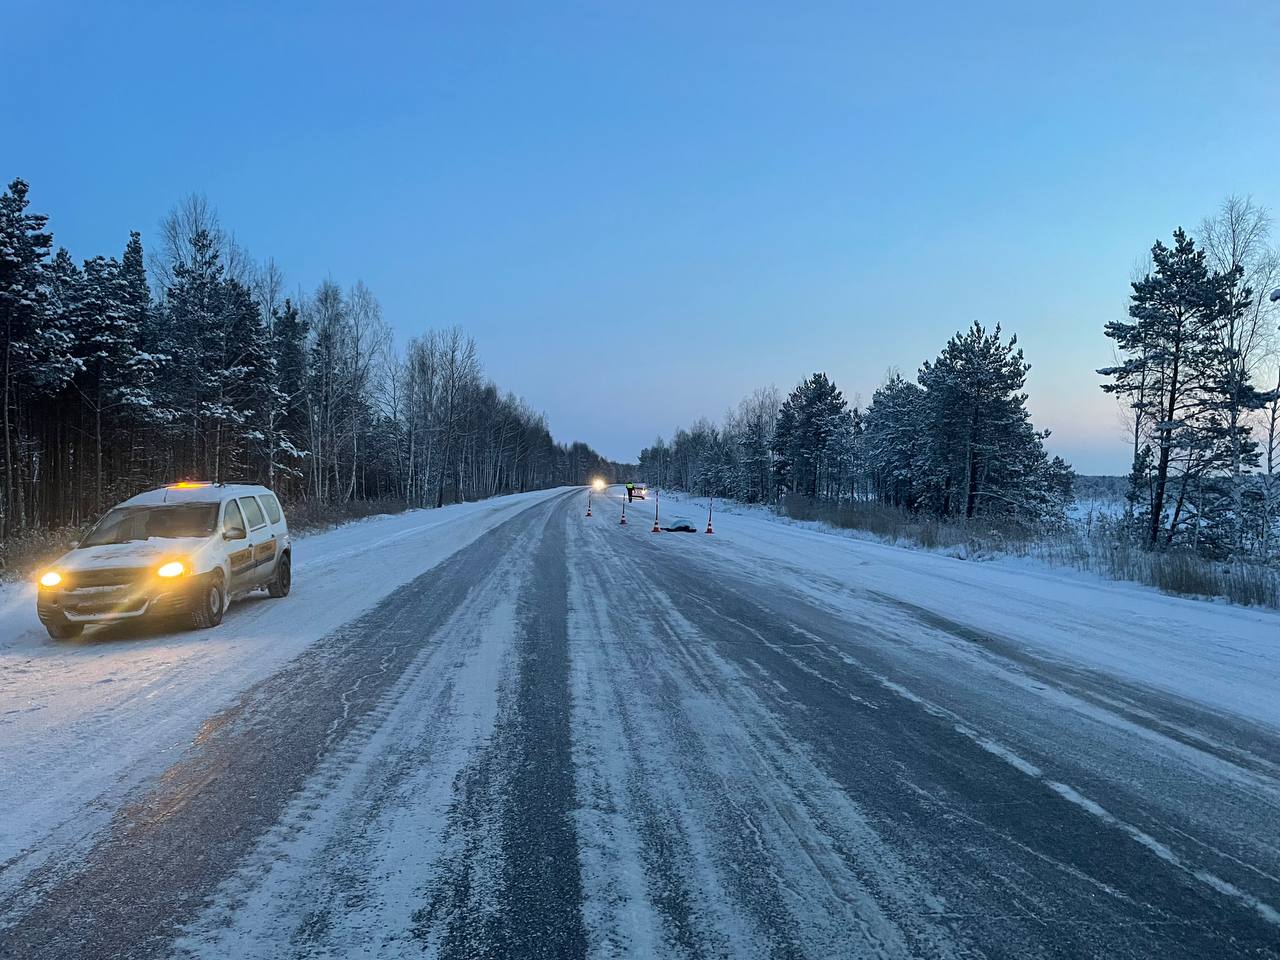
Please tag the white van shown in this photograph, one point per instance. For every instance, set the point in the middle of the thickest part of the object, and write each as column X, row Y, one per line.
column 180, row 551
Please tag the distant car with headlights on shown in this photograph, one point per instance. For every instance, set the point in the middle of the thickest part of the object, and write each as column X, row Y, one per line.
column 636, row 491
column 182, row 551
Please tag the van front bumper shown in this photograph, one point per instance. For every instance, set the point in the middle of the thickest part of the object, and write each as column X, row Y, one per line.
column 152, row 597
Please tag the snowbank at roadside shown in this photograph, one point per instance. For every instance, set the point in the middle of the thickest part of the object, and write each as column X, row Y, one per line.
column 1222, row 656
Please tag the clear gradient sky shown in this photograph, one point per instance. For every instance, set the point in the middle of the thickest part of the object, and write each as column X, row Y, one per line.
column 642, row 211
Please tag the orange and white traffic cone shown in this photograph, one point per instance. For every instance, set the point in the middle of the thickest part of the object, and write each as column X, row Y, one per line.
column 656, row 528
column 709, row 502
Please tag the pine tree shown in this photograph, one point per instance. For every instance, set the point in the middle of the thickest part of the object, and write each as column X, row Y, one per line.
column 102, row 338
column 134, row 294
column 50, row 360
column 243, row 382
column 894, row 442
column 191, row 338
column 812, row 429
column 978, row 422
column 1176, row 372
column 24, row 246
column 289, row 348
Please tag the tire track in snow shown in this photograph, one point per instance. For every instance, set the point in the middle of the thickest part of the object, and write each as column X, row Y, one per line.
column 343, row 871
column 1233, row 739
column 510, row 886
column 706, row 829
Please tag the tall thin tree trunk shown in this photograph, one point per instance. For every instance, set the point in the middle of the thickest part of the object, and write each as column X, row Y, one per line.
column 7, row 526
column 1166, row 443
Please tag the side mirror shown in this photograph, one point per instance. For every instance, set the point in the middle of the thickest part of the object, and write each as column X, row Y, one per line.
column 234, row 533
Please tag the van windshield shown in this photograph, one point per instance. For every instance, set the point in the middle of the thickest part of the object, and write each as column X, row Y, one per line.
column 124, row 524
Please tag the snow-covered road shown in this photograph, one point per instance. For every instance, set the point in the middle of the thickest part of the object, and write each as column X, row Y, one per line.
column 513, row 731
column 84, row 723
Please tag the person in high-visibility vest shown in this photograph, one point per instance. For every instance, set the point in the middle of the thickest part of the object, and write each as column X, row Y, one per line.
column 631, row 489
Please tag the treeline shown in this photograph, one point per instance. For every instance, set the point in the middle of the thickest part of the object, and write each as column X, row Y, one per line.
column 956, row 443
column 1198, row 376
column 121, row 373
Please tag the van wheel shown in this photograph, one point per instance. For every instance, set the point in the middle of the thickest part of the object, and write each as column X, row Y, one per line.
column 64, row 630
column 283, row 579
column 210, row 605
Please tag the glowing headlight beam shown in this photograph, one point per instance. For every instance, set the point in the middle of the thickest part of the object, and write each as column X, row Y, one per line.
column 173, row 568
column 50, row 578
column 598, row 483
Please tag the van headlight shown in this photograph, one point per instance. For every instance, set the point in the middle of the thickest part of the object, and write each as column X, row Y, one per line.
column 50, row 578
column 174, row 568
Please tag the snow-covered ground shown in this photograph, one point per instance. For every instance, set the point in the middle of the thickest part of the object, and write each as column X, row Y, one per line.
column 1222, row 656
column 1094, row 509
column 571, row 737
column 83, row 722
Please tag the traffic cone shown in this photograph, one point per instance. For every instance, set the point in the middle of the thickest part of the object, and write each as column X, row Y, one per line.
column 656, row 528
column 588, row 509
column 709, row 530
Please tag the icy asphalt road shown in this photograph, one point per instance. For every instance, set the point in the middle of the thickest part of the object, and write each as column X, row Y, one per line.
column 578, row 739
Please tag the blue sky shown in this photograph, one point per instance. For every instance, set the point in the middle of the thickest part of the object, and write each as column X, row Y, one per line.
column 644, row 211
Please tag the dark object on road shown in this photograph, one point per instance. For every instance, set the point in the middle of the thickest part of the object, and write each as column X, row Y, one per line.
column 681, row 528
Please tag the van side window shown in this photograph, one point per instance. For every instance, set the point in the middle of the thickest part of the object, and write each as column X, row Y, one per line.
column 234, row 519
column 273, row 507
column 253, row 512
